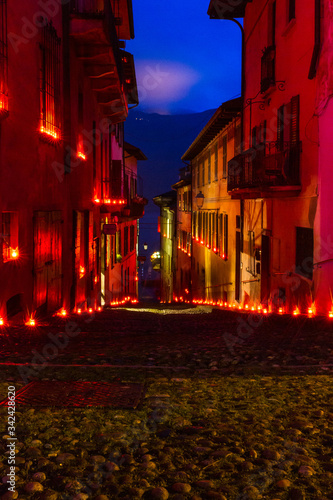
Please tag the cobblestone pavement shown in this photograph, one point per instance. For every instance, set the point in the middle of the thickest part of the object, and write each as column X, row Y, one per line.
column 199, row 338
column 236, row 407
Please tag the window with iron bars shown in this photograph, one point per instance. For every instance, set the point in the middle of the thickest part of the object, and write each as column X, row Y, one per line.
column 3, row 59
column 50, row 82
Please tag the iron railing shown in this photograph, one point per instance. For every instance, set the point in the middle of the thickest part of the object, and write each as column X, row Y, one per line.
column 271, row 164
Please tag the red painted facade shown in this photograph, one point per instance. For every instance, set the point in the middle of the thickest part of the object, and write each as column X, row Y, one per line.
column 281, row 176
column 65, row 89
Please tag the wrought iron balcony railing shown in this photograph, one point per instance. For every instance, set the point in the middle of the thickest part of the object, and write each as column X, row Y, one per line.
column 87, row 7
column 267, row 68
column 271, row 164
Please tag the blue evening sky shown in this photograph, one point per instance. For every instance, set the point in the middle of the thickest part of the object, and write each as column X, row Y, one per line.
column 185, row 62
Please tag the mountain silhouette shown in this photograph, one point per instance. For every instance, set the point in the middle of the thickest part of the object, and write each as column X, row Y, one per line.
column 163, row 139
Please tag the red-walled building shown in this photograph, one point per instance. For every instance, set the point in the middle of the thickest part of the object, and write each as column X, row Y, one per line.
column 66, row 84
column 282, row 176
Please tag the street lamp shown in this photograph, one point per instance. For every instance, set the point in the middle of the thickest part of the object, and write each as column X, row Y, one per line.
column 200, row 198
column 145, row 246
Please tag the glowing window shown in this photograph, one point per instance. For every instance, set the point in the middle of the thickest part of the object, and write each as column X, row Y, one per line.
column 10, row 249
column 50, row 82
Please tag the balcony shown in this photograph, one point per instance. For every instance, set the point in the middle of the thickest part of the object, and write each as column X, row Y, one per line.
column 94, row 31
column 270, row 170
column 267, row 69
column 135, row 209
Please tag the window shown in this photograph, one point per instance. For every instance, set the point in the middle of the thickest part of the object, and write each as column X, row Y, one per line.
column 198, row 175
column 271, row 34
column 132, row 238
column 288, row 123
column 280, row 128
column 3, row 59
column 203, row 173
column 238, row 139
column 10, row 250
column 304, row 252
column 267, row 68
column 209, row 167
column 225, row 237
column 251, row 269
column 216, row 163
column 220, row 231
column 125, row 240
column 50, row 83
column 291, row 10
column 179, row 200
column 118, row 246
column 112, row 255
column 224, row 146
column 317, row 40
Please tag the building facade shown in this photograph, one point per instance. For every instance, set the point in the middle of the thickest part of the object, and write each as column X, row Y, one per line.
column 215, row 215
column 183, row 249
column 281, row 176
column 167, row 228
column 66, row 84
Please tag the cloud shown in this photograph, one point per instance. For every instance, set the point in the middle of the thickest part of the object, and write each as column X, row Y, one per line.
column 161, row 84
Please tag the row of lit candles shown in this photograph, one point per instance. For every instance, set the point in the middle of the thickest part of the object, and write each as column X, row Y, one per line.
column 214, row 249
column 311, row 312
column 63, row 313
column 184, row 250
column 108, row 201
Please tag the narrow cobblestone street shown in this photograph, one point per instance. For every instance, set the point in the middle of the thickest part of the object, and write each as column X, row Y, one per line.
column 194, row 338
column 235, row 406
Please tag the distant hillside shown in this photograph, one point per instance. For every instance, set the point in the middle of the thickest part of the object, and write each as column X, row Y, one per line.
column 163, row 139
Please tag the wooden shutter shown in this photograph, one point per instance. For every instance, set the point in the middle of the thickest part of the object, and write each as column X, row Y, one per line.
column 280, row 127
column 294, row 120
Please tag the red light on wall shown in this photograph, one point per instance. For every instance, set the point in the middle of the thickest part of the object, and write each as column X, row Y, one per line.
column 79, row 311
column 208, row 246
column 296, row 312
column 30, row 322
column 281, row 310
column 14, row 253
column 82, row 271
column 2, row 321
column 48, row 132
column 201, row 242
column 4, row 103
column 90, row 310
column 312, row 311
column 97, row 200
column 81, row 155
column 214, row 250
column 330, row 314
column 99, row 309
column 265, row 311
column 62, row 313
